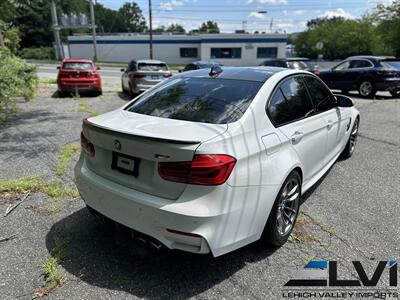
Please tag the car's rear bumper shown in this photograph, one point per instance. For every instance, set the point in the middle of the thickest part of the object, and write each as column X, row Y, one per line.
column 217, row 219
column 389, row 84
column 73, row 85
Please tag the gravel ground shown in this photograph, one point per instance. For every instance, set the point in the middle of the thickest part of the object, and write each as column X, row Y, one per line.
column 351, row 214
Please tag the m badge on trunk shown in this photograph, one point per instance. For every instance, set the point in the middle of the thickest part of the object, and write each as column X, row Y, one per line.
column 117, row 145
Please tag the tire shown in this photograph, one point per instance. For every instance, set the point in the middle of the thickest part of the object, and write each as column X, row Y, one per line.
column 123, row 88
column 132, row 94
column 284, row 213
column 351, row 143
column 395, row 94
column 366, row 88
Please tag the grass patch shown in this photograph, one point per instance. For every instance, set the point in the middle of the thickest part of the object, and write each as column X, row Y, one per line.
column 48, row 80
column 83, row 107
column 53, row 274
column 65, row 157
column 54, row 189
column 302, row 235
column 95, row 113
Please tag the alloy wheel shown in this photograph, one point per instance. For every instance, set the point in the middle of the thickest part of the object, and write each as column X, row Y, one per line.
column 366, row 88
column 288, row 207
column 353, row 136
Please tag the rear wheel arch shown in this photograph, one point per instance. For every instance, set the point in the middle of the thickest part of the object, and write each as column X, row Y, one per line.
column 298, row 170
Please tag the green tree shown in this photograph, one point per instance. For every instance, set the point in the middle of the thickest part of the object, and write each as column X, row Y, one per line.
column 388, row 19
column 175, row 28
column 209, row 27
column 10, row 37
column 341, row 38
column 132, row 17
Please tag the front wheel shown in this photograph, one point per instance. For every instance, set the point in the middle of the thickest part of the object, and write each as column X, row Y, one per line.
column 351, row 143
column 367, row 89
column 284, row 212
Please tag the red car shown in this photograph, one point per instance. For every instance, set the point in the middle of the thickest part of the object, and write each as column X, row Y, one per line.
column 78, row 75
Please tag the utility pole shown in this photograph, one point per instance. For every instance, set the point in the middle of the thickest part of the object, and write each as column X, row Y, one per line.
column 151, row 31
column 56, row 31
column 93, row 30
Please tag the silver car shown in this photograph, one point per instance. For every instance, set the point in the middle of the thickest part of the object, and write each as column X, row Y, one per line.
column 142, row 75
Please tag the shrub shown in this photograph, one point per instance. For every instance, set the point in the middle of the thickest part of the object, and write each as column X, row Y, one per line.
column 17, row 79
column 40, row 53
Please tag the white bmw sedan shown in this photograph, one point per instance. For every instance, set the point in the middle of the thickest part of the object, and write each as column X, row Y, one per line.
column 210, row 161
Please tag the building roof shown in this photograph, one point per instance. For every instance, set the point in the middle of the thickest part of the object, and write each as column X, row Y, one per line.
column 260, row 74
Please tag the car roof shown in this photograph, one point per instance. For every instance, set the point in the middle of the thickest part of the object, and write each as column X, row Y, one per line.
column 296, row 58
column 206, row 62
column 150, row 61
column 78, row 60
column 260, row 74
column 371, row 57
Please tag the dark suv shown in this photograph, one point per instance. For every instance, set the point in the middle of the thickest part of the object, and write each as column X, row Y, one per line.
column 366, row 74
column 297, row 63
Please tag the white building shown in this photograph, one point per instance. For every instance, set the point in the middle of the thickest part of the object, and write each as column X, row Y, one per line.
column 228, row 49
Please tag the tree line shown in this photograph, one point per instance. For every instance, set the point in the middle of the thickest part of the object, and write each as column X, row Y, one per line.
column 32, row 18
column 377, row 33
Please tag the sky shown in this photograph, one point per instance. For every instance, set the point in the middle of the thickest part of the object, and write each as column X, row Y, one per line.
column 285, row 16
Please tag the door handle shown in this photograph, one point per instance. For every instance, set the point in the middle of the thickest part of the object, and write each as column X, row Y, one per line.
column 296, row 137
column 329, row 124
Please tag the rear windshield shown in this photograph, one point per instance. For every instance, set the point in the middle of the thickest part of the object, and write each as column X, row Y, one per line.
column 152, row 67
column 302, row 65
column 393, row 63
column 206, row 100
column 77, row 66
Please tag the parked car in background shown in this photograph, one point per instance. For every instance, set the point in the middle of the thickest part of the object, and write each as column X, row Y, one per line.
column 78, row 75
column 366, row 74
column 212, row 161
column 201, row 64
column 143, row 74
column 296, row 63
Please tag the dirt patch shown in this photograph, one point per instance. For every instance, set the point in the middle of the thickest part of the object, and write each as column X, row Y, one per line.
column 9, row 197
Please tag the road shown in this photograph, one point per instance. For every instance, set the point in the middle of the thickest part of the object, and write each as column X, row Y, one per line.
column 350, row 214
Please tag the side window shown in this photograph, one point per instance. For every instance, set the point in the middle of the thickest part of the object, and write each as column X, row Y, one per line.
column 355, row 64
column 290, row 102
column 320, row 94
column 343, row 66
column 132, row 66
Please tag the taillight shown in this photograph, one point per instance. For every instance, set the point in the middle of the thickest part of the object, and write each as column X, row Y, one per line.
column 317, row 73
column 167, row 75
column 204, row 169
column 387, row 73
column 87, row 146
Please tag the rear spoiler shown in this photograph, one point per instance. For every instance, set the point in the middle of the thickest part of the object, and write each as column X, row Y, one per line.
column 87, row 123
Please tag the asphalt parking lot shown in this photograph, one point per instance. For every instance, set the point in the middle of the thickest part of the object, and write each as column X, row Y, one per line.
column 351, row 214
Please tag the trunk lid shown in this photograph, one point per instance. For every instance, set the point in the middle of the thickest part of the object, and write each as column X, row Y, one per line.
column 128, row 141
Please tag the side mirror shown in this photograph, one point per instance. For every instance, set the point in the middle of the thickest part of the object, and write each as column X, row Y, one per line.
column 98, row 68
column 344, row 101
column 122, row 70
column 58, row 67
column 180, row 71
